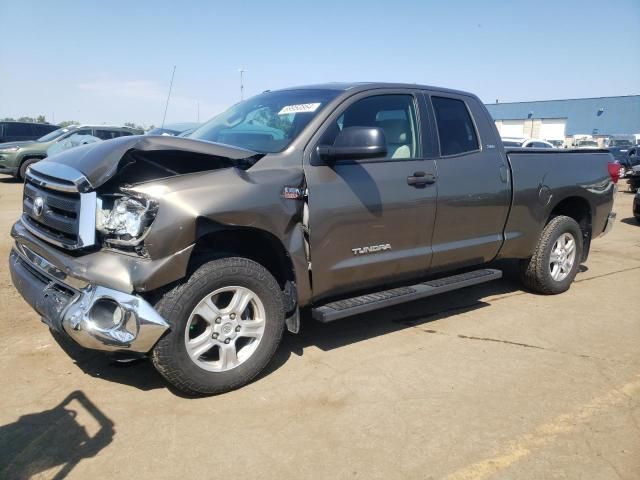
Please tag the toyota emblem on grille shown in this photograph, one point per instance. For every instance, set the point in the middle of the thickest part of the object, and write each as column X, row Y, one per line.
column 38, row 206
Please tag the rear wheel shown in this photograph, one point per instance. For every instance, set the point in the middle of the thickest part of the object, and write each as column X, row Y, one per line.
column 556, row 259
column 22, row 171
column 226, row 323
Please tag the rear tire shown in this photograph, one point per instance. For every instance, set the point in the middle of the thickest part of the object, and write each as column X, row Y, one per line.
column 556, row 258
column 22, row 171
column 208, row 309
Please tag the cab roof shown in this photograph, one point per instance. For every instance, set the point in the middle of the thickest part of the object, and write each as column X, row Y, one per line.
column 364, row 86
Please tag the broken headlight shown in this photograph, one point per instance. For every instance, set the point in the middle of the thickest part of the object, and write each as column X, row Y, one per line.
column 123, row 219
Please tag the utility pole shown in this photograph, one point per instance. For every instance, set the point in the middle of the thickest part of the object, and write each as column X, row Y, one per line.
column 242, row 70
column 168, row 97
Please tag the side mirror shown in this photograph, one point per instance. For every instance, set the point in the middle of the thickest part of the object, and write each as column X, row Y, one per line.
column 354, row 143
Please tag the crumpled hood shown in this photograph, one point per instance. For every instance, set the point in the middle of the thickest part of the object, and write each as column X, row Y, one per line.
column 98, row 162
column 15, row 144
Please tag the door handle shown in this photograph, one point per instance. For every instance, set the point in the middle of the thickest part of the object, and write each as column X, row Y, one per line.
column 420, row 179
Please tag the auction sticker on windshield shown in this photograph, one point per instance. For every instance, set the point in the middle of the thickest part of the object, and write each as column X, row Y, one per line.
column 301, row 108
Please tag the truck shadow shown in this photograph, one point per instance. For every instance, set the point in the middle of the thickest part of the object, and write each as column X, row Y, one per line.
column 630, row 221
column 55, row 440
column 388, row 320
column 141, row 374
column 10, row 180
column 137, row 373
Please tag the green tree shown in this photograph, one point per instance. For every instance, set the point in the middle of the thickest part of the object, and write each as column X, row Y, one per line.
column 66, row 123
column 41, row 119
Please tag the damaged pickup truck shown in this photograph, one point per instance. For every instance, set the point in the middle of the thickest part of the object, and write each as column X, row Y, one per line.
column 327, row 201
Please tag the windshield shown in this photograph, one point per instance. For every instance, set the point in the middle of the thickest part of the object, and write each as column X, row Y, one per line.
column 53, row 135
column 163, row 131
column 587, row 143
column 266, row 123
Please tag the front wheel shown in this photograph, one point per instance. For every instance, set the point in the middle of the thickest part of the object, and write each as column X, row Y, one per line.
column 556, row 258
column 22, row 171
column 226, row 323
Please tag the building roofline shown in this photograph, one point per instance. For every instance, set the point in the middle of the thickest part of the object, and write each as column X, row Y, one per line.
column 564, row 99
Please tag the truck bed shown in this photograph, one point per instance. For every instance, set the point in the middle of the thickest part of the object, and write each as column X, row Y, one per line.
column 541, row 178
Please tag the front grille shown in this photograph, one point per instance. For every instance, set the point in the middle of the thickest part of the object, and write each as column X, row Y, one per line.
column 59, row 216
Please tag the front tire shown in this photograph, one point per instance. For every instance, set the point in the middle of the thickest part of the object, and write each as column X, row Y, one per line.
column 226, row 322
column 556, row 258
column 22, row 171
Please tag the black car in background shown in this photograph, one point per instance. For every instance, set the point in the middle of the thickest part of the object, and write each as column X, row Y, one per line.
column 636, row 206
column 18, row 131
column 628, row 161
column 620, row 149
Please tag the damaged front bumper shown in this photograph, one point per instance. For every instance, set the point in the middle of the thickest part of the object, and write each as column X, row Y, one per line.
column 93, row 316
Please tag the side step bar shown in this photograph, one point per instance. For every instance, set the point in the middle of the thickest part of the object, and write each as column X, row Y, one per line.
column 373, row 301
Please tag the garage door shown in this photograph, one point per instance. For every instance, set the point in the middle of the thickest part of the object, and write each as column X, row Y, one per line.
column 512, row 128
column 553, row 128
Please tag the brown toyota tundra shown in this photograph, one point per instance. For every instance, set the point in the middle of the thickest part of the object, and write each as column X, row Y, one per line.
column 323, row 201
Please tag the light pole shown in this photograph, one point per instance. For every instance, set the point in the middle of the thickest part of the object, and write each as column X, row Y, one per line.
column 168, row 97
column 242, row 70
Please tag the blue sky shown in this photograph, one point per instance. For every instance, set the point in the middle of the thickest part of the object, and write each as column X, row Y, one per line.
column 111, row 61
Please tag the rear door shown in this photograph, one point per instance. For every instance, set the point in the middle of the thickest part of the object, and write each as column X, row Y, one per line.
column 367, row 225
column 473, row 184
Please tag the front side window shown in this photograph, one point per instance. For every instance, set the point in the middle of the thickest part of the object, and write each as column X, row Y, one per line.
column 455, row 127
column 394, row 114
column 266, row 123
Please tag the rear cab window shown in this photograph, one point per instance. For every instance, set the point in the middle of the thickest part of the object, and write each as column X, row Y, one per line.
column 455, row 126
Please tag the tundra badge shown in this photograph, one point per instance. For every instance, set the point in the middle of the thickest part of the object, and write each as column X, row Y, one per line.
column 371, row 249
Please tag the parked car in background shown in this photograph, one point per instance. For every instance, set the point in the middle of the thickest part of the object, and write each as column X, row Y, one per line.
column 636, row 206
column 15, row 157
column 630, row 168
column 75, row 140
column 586, row 144
column 619, row 145
column 619, row 140
column 20, row 131
column 174, row 129
column 557, row 143
column 526, row 143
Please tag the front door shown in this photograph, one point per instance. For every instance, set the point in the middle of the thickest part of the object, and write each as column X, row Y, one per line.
column 370, row 223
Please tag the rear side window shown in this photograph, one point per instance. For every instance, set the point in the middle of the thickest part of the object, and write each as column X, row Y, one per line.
column 106, row 134
column 18, row 129
column 455, row 127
